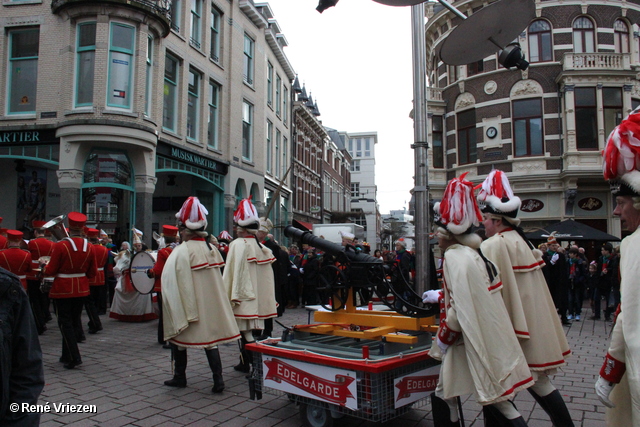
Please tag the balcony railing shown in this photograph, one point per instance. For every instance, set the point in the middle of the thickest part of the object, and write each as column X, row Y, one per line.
column 597, row 61
column 160, row 8
column 434, row 94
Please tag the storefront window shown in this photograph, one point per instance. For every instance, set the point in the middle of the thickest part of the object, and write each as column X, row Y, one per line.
column 121, row 47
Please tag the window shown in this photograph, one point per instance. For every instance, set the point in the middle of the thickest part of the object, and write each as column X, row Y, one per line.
column 285, row 104
column 86, row 60
column 196, row 18
column 586, row 118
column 475, row 68
column 355, row 189
column 278, row 99
column 540, row 48
column 277, row 152
column 193, row 104
column 612, row 103
column 121, row 48
column 216, row 19
column 212, row 127
column 23, row 63
column 269, row 145
column 527, row 127
column 176, row 6
column 284, row 155
column 269, row 84
column 169, row 105
column 621, row 36
column 635, row 103
column 583, row 35
column 453, row 73
column 436, row 141
column 355, row 166
column 247, row 130
column 247, row 69
column 367, row 147
column 149, row 85
column 467, row 148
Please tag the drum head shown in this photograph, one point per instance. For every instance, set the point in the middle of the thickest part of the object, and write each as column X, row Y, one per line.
column 140, row 263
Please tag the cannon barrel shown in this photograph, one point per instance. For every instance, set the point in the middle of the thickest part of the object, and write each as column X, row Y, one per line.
column 327, row 246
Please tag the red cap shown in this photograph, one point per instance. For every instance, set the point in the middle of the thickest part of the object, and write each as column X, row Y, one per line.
column 169, row 230
column 14, row 235
column 92, row 233
column 77, row 220
column 37, row 224
column 3, row 231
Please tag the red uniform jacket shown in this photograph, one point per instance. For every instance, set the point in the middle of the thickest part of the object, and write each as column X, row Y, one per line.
column 163, row 254
column 101, row 254
column 38, row 247
column 72, row 268
column 3, row 242
column 17, row 261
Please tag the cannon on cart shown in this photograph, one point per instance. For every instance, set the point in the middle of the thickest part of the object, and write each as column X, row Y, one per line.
column 370, row 364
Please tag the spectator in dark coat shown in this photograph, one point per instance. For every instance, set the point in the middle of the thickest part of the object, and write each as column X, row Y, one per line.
column 556, row 274
column 577, row 280
column 608, row 271
column 310, row 275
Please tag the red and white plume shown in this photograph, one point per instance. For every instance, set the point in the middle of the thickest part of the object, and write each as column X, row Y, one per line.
column 193, row 214
column 496, row 194
column 621, row 155
column 246, row 214
column 224, row 236
column 458, row 210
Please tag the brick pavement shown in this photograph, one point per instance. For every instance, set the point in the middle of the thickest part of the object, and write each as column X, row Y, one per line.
column 124, row 370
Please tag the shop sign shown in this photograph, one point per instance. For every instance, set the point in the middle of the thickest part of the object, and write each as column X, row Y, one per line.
column 28, row 136
column 318, row 382
column 197, row 160
column 413, row 387
column 590, row 204
column 531, row 205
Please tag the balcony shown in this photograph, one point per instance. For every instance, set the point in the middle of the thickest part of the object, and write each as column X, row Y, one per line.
column 160, row 9
column 596, row 61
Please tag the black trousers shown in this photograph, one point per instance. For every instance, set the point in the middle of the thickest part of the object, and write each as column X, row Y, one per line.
column 91, row 304
column 69, row 311
column 160, row 325
column 38, row 304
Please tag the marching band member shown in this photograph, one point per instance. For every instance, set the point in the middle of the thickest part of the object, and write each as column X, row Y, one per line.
column 3, row 237
column 249, row 280
column 73, row 264
column 618, row 386
column 169, row 233
column 525, row 292
column 14, row 259
column 101, row 254
column 196, row 311
column 39, row 246
column 477, row 345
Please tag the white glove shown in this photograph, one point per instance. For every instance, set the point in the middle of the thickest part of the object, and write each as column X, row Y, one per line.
column 431, row 296
column 443, row 346
column 554, row 258
column 301, row 270
column 603, row 390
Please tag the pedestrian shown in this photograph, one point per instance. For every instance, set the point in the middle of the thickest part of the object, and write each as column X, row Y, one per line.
column 555, row 272
column 169, row 234
column 248, row 279
column 295, row 277
column 577, row 282
column 97, row 283
column 196, row 310
column 618, row 386
column 72, row 264
column 39, row 247
column 310, row 276
column 477, row 345
column 608, row 269
column 21, row 369
column 525, row 292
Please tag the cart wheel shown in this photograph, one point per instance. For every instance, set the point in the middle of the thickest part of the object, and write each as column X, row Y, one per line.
column 313, row 416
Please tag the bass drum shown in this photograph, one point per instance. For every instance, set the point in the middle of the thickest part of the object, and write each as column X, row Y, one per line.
column 140, row 263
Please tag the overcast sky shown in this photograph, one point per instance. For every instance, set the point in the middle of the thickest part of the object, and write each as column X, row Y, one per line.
column 355, row 59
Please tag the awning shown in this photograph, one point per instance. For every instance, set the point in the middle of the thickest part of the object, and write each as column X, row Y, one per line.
column 302, row 225
column 572, row 230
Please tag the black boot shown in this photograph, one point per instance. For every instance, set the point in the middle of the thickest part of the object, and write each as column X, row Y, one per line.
column 213, row 356
column 494, row 418
column 179, row 368
column 441, row 413
column 554, row 406
column 245, row 358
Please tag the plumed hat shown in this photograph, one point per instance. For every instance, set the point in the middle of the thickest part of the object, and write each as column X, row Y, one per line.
column 137, row 235
column 193, row 214
column 224, row 236
column 266, row 225
column 621, row 157
column 346, row 235
column 103, row 234
column 496, row 197
column 246, row 215
column 458, row 211
column 552, row 239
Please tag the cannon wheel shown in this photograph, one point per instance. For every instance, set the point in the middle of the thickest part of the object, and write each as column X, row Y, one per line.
column 314, row 416
column 332, row 283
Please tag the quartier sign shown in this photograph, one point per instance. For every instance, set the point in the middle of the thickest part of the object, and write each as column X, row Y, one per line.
column 28, row 136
